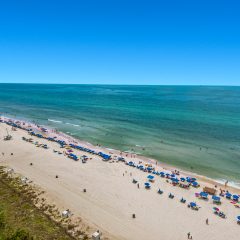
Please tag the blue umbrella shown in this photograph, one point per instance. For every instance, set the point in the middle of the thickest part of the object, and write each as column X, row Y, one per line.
column 216, row 198
column 182, row 179
column 147, row 185
column 195, row 184
column 238, row 218
column 193, row 204
column 188, row 179
column 235, row 197
column 203, row 194
column 150, row 177
column 228, row 195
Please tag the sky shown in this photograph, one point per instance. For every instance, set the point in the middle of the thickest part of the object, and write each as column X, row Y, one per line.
column 169, row 42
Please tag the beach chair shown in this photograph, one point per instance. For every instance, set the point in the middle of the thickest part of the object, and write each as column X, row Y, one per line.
column 171, row 196
column 134, row 181
column 222, row 214
column 160, row 191
column 182, row 200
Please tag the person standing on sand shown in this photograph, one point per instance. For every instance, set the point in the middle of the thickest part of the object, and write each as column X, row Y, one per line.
column 188, row 235
column 207, row 221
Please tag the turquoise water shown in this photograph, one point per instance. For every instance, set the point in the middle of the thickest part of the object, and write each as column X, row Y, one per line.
column 192, row 127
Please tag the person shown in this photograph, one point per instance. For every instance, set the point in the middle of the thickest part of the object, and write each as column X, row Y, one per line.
column 138, row 185
column 188, row 235
column 207, row 221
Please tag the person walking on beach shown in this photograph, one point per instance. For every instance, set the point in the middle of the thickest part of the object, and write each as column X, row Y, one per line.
column 207, row 221
column 188, row 235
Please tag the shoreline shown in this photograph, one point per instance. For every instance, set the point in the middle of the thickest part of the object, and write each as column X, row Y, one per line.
column 202, row 178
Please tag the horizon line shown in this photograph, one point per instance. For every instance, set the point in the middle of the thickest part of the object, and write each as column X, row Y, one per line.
column 121, row 84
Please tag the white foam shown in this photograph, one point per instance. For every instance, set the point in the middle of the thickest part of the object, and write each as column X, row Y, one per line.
column 230, row 183
column 75, row 125
column 53, row 120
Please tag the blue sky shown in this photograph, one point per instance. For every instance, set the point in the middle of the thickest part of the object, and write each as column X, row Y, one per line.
column 120, row 42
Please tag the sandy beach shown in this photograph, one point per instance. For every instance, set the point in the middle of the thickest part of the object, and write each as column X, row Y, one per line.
column 111, row 197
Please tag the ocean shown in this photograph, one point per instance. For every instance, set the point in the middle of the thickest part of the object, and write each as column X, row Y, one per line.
column 195, row 128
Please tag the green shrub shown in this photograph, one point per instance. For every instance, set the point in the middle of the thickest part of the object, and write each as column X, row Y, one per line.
column 2, row 220
column 20, row 235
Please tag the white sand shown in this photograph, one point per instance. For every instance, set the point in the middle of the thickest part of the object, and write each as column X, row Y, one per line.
column 112, row 198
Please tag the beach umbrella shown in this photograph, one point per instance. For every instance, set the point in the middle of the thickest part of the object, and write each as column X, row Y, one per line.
column 147, row 185
column 188, row 179
column 193, row 204
column 182, row 179
column 203, row 194
column 238, row 218
column 216, row 209
column 228, row 195
column 150, row 177
column 174, row 179
column 216, row 198
column 235, row 197
column 195, row 184
column 172, row 175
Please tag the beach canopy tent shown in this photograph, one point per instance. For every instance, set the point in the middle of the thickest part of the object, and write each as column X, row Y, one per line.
column 104, row 156
column 216, row 198
column 209, row 190
column 203, row 195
